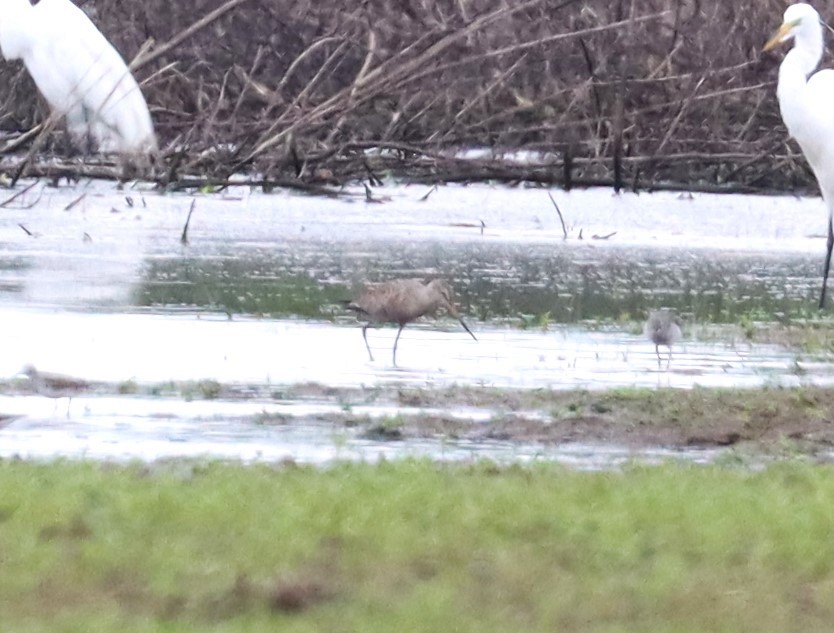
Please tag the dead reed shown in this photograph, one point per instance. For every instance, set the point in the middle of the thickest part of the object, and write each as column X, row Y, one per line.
column 638, row 93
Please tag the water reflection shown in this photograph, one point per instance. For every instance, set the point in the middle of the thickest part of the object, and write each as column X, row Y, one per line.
column 535, row 283
column 714, row 259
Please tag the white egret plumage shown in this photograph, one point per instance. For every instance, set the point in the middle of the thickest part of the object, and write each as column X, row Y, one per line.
column 805, row 101
column 79, row 73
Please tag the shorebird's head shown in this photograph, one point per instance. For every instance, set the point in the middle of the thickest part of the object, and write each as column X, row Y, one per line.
column 445, row 295
column 446, row 299
column 29, row 371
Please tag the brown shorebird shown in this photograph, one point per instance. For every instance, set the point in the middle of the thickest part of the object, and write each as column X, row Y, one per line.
column 402, row 301
column 55, row 385
column 663, row 327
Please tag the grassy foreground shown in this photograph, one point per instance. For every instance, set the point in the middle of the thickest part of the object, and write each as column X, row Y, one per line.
column 415, row 546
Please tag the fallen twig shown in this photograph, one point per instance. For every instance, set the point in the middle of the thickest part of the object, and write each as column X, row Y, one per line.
column 426, row 195
column 16, row 195
column 75, row 202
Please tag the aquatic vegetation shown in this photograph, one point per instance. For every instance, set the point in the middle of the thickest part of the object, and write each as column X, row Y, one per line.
column 386, row 428
column 538, row 321
column 127, row 387
column 272, row 418
column 237, row 285
column 204, row 389
column 748, row 326
column 528, row 286
column 210, row 389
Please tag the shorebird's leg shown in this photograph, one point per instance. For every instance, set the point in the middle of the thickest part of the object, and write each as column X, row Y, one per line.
column 396, row 340
column 657, row 351
column 365, row 336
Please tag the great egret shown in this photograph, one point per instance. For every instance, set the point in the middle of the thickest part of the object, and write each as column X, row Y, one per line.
column 806, row 102
column 79, row 73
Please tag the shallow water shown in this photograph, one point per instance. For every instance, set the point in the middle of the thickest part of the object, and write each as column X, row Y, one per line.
column 105, row 291
column 714, row 257
column 154, row 348
column 166, row 430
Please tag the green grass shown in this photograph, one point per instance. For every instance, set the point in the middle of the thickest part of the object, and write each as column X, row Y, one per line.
column 415, row 546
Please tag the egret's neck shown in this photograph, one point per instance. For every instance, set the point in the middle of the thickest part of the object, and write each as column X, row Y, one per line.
column 794, row 71
column 16, row 28
column 808, row 47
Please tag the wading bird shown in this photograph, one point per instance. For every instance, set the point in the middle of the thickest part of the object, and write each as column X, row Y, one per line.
column 663, row 327
column 55, row 385
column 79, row 73
column 402, row 301
column 805, row 100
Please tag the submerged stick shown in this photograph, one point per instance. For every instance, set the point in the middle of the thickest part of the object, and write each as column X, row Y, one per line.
column 184, row 236
column 561, row 219
column 16, row 195
column 75, row 202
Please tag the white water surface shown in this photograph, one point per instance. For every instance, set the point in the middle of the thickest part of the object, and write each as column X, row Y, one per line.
column 75, row 268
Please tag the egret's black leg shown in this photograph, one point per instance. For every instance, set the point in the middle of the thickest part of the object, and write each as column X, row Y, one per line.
column 827, row 261
column 365, row 336
column 396, row 340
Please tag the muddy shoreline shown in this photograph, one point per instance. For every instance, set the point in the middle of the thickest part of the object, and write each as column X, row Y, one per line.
column 763, row 420
column 637, row 418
